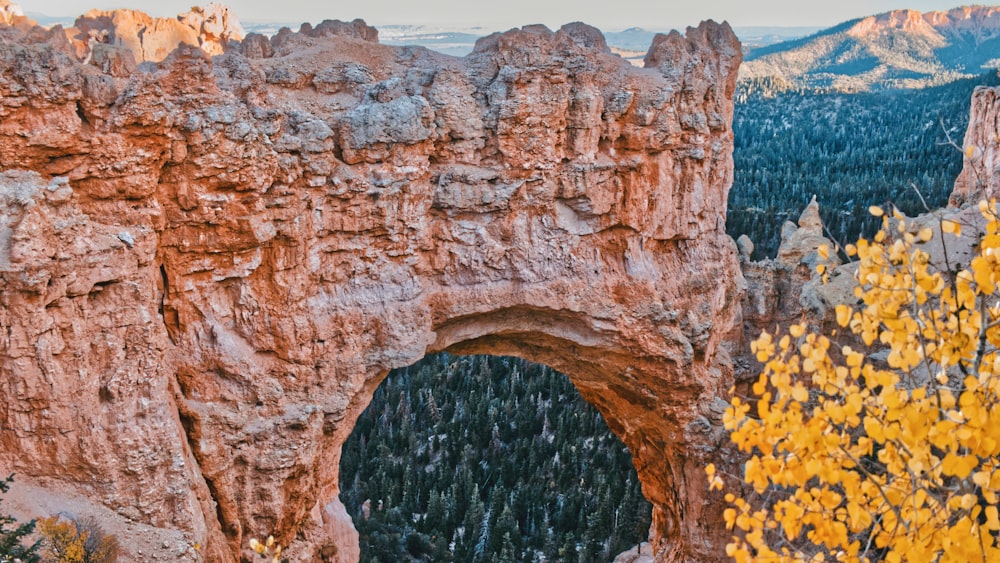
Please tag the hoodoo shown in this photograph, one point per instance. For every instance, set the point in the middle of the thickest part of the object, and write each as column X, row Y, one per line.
column 980, row 176
column 209, row 263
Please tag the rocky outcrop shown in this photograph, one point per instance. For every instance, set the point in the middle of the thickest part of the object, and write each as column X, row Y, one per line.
column 211, row 28
column 11, row 13
column 788, row 289
column 209, row 264
column 980, row 176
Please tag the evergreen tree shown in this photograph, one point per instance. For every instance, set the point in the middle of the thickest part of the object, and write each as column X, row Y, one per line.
column 849, row 150
column 486, row 458
column 13, row 534
column 435, row 518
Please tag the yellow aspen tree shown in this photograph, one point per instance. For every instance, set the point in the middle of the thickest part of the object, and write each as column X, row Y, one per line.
column 62, row 542
column 890, row 451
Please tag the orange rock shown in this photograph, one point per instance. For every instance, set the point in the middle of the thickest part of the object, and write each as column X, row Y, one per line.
column 980, row 178
column 209, row 264
column 10, row 13
column 211, row 28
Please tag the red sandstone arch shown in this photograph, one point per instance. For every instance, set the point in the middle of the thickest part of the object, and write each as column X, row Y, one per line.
column 242, row 248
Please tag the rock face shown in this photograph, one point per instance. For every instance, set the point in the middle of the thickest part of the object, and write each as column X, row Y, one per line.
column 10, row 13
column 127, row 32
column 210, row 264
column 980, row 176
column 211, row 28
column 787, row 289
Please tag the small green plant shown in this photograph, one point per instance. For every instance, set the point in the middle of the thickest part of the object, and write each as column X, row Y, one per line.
column 12, row 534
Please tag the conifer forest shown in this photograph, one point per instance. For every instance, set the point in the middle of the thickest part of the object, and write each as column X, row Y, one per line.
column 483, row 458
column 849, row 150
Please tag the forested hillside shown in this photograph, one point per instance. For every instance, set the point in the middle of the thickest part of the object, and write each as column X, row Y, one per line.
column 850, row 150
column 487, row 458
column 901, row 49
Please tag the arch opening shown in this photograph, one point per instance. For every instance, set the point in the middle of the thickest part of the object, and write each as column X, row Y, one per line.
column 488, row 458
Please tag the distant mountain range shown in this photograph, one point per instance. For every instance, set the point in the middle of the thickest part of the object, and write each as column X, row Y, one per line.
column 894, row 50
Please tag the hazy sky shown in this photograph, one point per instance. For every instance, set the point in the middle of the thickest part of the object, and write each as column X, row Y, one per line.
column 609, row 15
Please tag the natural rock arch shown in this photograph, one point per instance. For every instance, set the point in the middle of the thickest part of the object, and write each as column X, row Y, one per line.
column 215, row 262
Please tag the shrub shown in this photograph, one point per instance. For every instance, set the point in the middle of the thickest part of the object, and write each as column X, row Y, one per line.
column 897, row 456
column 69, row 540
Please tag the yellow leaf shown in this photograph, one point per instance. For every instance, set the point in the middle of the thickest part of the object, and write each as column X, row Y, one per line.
column 951, row 227
column 992, row 520
column 876, row 211
column 800, row 394
column 839, row 449
column 959, row 466
column 843, row 315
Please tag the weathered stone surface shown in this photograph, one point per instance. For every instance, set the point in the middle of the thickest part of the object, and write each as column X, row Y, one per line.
column 210, row 264
column 799, row 244
column 980, row 176
column 10, row 13
column 745, row 246
column 787, row 289
column 211, row 28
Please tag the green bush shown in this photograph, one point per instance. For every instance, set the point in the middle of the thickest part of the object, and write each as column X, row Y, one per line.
column 12, row 534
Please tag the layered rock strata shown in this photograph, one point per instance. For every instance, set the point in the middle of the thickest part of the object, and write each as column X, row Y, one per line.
column 209, row 264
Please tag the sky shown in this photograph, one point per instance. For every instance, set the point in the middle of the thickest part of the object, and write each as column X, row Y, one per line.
column 609, row 15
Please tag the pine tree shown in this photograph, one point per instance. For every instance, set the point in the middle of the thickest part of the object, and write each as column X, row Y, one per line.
column 505, row 532
column 436, row 471
column 12, row 534
column 435, row 517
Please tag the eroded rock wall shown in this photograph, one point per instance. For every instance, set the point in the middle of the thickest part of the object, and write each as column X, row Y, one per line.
column 211, row 28
column 980, row 176
column 210, row 264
